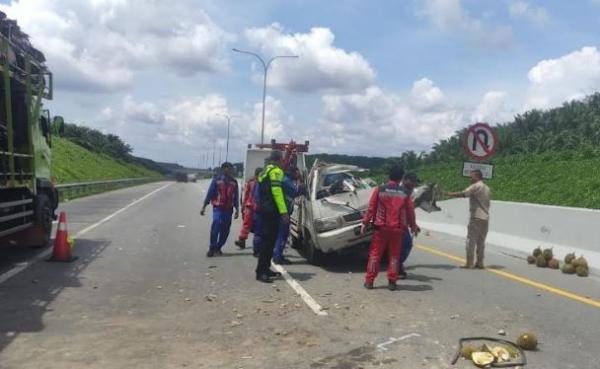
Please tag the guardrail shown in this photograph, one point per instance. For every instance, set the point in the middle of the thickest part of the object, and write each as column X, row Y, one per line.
column 69, row 191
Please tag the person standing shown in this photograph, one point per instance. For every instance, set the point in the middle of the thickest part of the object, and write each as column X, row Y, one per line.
column 273, row 210
column 248, row 209
column 223, row 195
column 387, row 214
column 479, row 208
column 411, row 229
column 291, row 190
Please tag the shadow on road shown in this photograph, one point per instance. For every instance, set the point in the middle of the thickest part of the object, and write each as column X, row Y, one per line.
column 431, row 266
column 301, row 276
column 26, row 297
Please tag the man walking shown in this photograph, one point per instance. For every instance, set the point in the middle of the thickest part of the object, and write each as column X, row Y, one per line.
column 411, row 228
column 387, row 213
column 248, row 209
column 479, row 208
column 273, row 210
column 223, row 194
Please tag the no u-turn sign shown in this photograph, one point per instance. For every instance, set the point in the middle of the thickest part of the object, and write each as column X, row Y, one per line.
column 480, row 141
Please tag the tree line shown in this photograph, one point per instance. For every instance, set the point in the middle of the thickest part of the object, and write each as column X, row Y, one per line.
column 96, row 141
column 575, row 126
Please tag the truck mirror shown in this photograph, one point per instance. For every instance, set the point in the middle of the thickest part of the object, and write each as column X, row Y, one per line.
column 59, row 125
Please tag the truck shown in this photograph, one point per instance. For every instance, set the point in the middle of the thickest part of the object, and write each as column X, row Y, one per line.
column 327, row 219
column 28, row 196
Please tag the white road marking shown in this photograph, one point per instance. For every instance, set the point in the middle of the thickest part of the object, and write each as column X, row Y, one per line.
column 308, row 300
column 382, row 346
column 43, row 255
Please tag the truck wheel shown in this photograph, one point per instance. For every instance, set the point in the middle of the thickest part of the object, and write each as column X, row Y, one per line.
column 311, row 253
column 42, row 230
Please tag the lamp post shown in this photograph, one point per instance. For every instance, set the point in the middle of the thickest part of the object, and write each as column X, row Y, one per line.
column 227, row 145
column 266, row 69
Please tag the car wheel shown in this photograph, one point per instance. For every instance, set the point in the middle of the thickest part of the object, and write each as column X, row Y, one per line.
column 310, row 252
column 40, row 234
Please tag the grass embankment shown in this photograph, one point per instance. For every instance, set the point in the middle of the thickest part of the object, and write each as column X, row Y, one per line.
column 552, row 178
column 73, row 163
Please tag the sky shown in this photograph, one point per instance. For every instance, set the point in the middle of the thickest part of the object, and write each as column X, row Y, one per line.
column 372, row 78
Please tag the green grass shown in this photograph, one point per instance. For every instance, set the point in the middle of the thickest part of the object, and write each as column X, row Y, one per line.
column 552, row 178
column 73, row 163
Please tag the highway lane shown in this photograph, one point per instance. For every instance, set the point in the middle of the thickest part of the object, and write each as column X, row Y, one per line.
column 143, row 294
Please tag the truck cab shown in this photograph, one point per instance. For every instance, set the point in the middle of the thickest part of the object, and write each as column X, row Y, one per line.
column 28, row 198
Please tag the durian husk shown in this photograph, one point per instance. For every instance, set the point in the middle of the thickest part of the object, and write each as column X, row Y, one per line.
column 537, row 252
column 527, row 341
column 467, row 351
column 512, row 351
column 580, row 261
column 531, row 259
column 501, row 354
column 482, row 359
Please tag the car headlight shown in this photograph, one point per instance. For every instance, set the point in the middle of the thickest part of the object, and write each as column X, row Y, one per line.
column 327, row 224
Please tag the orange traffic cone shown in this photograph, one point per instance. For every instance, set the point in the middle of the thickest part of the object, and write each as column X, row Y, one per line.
column 62, row 247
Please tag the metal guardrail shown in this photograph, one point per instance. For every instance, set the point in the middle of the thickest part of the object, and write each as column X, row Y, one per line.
column 73, row 190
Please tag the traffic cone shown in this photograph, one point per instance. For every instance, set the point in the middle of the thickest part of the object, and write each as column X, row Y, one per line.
column 62, row 248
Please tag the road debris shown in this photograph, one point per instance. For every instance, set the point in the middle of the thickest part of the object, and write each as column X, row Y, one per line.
column 210, row 297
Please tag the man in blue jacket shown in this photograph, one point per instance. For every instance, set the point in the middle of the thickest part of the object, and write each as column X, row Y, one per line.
column 291, row 190
column 223, row 195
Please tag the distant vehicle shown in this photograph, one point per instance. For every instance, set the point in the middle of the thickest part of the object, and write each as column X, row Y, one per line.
column 28, row 198
column 192, row 177
column 181, row 177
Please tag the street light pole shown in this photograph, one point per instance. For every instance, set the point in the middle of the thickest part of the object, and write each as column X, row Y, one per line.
column 266, row 69
column 228, row 125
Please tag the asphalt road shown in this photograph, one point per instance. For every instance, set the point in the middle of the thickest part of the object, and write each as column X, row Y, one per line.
column 143, row 295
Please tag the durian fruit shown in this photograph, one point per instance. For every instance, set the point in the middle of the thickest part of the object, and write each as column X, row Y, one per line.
column 512, row 351
column 531, row 259
column 569, row 258
column 548, row 255
column 582, row 271
column 482, row 359
column 580, row 261
column 541, row 262
column 467, row 350
column 527, row 341
column 568, row 269
column 537, row 252
column 554, row 264
column 501, row 354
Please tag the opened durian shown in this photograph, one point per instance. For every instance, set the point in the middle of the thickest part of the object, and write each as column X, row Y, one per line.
column 467, row 350
column 482, row 359
column 541, row 262
column 501, row 354
column 553, row 264
column 527, row 341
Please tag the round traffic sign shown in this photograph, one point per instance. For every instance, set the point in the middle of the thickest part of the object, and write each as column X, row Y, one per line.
column 480, row 141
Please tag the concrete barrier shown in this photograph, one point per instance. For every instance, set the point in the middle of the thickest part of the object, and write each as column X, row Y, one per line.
column 522, row 227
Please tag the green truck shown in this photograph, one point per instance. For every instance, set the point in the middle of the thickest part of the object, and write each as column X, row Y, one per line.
column 28, row 197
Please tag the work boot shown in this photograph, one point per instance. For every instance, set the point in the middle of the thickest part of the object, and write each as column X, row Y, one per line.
column 256, row 253
column 368, row 285
column 392, row 285
column 466, row 266
column 241, row 244
column 273, row 274
column 282, row 261
column 263, row 278
column 402, row 273
column 218, row 253
column 479, row 266
column 210, row 253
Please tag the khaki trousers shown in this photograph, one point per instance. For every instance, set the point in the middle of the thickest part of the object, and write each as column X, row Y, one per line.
column 477, row 232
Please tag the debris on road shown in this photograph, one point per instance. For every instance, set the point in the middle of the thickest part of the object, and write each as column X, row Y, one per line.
column 210, row 297
column 503, row 354
column 502, row 332
column 527, row 341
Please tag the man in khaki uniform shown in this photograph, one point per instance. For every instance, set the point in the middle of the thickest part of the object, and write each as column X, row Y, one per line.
column 479, row 207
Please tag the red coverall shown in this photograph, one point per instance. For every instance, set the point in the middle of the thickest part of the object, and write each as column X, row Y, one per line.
column 248, row 208
column 387, row 212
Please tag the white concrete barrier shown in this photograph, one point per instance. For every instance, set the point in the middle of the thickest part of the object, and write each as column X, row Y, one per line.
column 522, row 226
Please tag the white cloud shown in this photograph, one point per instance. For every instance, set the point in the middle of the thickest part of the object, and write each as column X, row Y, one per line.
column 144, row 112
column 493, row 109
column 523, row 10
column 426, row 95
column 321, row 66
column 450, row 16
column 572, row 76
column 100, row 44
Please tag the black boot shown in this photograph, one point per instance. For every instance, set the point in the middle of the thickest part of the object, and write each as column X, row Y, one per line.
column 210, row 253
column 392, row 285
column 273, row 274
column 263, row 278
column 241, row 244
column 368, row 285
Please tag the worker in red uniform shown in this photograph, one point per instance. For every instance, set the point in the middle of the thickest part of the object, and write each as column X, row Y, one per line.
column 387, row 213
column 248, row 209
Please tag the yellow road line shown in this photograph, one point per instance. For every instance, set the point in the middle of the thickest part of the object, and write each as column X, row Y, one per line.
column 517, row 278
